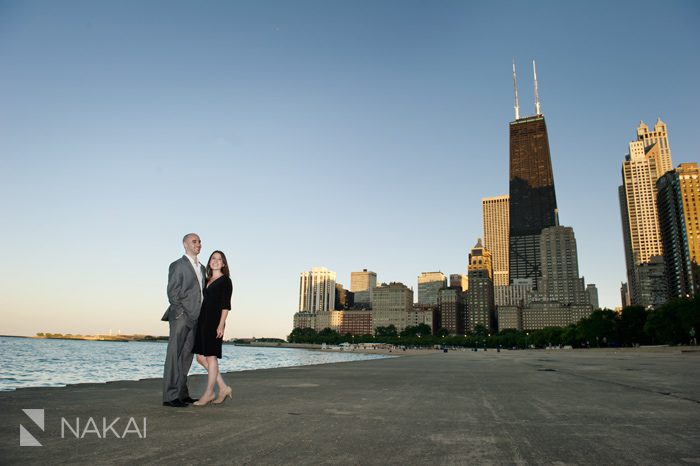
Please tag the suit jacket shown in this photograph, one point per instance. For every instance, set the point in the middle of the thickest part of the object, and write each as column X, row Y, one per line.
column 183, row 291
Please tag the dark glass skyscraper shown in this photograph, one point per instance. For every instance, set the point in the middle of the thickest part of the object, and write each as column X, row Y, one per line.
column 678, row 203
column 533, row 203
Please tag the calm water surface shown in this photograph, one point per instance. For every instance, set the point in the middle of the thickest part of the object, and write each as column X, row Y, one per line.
column 29, row 362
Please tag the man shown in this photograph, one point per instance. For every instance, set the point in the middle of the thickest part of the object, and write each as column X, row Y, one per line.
column 185, row 284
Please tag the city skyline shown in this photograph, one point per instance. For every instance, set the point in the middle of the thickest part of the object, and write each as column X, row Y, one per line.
column 311, row 135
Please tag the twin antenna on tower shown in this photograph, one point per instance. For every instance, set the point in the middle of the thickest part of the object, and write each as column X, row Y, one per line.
column 515, row 89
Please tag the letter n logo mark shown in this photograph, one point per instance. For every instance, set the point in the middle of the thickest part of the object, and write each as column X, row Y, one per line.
column 25, row 438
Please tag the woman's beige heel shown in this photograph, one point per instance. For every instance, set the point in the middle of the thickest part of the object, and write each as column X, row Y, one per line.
column 222, row 396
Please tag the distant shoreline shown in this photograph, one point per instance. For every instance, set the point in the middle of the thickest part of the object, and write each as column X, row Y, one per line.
column 357, row 348
column 121, row 338
column 360, row 348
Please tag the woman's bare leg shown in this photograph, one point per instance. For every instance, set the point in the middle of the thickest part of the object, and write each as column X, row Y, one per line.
column 202, row 360
column 212, row 365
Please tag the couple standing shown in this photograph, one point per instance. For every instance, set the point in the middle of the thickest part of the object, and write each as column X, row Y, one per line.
column 200, row 299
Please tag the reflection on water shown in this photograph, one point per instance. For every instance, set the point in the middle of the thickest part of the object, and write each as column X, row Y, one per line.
column 29, row 362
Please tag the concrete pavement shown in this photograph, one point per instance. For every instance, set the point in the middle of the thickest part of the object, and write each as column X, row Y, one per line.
column 513, row 407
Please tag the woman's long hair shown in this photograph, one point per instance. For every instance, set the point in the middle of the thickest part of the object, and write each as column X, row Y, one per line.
column 224, row 269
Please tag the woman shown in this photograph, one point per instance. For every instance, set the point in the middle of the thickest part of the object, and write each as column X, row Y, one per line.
column 211, row 325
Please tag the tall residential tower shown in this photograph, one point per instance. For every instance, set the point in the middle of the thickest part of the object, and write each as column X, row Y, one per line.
column 648, row 159
column 317, row 290
column 678, row 202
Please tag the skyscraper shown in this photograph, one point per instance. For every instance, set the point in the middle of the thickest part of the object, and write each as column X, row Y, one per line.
column 344, row 299
column 678, row 202
column 451, row 305
column 625, row 295
column 362, row 284
column 648, row 159
column 658, row 137
column 480, row 303
column 392, row 305
column 559, row 258
column 496, row 226
column 317, row 290
column 533, row 204
column 459, row 281
column 592, row 292
column 429, row 285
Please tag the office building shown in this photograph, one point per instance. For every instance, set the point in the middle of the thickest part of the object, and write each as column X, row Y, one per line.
column 391, row 305
column 362, row 284
column 560, row 280
column 533, row 204
column 496, row 232
column 651, row 281
column 539, row 315
column 305, row 320
column 509, row 318
column 344, row 299
column 429, row 285
column 317, row 290
column 459, row 281
column 422, row 314
column 480, row 302
column 592, row 293
column 355, row 322
column 452, row 310
column 625, row 295
column 517, row 294
column 678, row 203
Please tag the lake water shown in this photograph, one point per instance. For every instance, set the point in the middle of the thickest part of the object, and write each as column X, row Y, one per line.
column 30, row 362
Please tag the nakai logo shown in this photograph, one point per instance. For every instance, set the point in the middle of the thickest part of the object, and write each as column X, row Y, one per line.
column 101, row 428
column 25, row 438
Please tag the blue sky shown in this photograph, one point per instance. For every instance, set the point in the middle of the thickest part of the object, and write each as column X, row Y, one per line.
column 341, row 134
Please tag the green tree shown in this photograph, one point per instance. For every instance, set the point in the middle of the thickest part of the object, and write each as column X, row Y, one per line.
column 569, row 335
column 547, row 336
column 388, row 331
column 328, row 336
column 442, row 332
column 421, row 330
column 599, row 328
column 671, row 323
column 302, row 335
column 630, row 326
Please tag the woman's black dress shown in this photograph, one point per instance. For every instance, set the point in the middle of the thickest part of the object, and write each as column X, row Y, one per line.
column 217, row 296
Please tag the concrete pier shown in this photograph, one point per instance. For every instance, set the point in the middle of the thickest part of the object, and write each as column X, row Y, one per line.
column 577, row 407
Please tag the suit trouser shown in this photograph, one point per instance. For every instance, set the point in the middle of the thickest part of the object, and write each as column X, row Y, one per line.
column 178, row 358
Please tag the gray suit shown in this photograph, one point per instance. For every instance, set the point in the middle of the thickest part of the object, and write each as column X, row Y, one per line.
column 182, row 314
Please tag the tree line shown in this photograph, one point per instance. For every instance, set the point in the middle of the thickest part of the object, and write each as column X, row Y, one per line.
column 674, row 323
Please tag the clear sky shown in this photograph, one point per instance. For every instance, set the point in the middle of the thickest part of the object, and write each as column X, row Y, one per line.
column 293, row 134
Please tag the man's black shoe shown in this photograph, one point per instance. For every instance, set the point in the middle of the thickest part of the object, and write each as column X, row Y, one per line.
column 175, row 404
column 189, row 399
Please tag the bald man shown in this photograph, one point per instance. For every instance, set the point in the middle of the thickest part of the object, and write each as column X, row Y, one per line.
column 185, row 284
